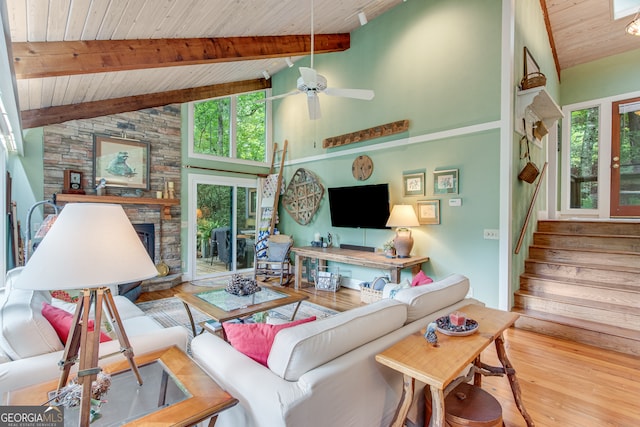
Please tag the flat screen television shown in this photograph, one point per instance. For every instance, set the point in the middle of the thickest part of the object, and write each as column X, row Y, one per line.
column 362, row 206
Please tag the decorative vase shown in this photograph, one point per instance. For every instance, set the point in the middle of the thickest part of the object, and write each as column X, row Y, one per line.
column 403, row 243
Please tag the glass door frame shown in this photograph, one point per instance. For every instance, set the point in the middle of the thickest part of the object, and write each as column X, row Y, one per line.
column 604, row 156
column 193, row 181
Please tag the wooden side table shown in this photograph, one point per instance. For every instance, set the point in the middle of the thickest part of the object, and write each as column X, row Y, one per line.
column 127, row 402
column 440, row 366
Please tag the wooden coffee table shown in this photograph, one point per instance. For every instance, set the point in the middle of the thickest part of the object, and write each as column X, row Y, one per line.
column 222, row 306
column 175, row 391
column 441, row 366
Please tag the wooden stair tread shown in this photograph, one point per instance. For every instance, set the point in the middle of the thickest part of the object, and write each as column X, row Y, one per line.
column 597, row 251
column 627, row 269
column 618, row 286
column 582, row 302
column 605, row 236
column 580, row 324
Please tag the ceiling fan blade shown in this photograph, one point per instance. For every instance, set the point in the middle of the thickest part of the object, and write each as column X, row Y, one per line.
column 309, row 77
column 293, row 92
column 364, row 94
column 313, row 102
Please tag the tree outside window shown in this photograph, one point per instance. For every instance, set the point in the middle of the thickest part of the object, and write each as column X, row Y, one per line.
column 231, row 127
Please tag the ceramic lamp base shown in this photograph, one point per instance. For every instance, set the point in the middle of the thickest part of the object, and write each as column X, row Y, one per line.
column 403, row 243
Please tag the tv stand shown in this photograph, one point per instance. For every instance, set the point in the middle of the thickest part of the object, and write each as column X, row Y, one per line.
column 355, row 257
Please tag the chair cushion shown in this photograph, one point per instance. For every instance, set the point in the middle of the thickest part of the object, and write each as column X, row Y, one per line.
column 255, row 339
column 277, row 251
column 424, row 300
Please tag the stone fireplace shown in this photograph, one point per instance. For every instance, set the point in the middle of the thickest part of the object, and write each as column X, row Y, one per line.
column 70, row 145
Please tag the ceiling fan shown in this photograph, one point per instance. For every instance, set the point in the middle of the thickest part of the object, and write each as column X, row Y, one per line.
column 311, row 84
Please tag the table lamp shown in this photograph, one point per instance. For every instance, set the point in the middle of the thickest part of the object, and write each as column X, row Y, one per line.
column 90, row 246
column 403, row 216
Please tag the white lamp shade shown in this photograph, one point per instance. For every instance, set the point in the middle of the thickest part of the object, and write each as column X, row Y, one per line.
column 403, row 216
column 90, row 245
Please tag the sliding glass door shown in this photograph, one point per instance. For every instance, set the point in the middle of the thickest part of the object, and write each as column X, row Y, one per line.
column 222, row 226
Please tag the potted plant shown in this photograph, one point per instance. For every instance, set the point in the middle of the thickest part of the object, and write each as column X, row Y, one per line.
column 389, row 249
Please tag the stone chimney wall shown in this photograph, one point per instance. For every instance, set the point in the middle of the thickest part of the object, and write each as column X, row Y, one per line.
column 70, row 146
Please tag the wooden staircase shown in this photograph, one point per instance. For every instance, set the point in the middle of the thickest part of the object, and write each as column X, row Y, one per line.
column 582, row 283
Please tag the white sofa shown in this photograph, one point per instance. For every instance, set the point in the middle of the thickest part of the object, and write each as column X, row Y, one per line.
column 31, row 349
column 324, row 373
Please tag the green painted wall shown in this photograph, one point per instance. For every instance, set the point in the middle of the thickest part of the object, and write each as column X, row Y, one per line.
column 27, row 176
column 609, row 76
column 422, row 68
column 530, row 31
column 420, row 65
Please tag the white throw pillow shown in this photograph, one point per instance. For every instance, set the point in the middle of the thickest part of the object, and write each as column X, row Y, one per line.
column 426, row 299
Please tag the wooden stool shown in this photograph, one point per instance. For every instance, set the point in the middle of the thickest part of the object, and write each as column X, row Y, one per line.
column 468, row 406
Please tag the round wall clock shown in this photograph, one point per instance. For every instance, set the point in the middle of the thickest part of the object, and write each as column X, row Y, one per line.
column 362, row 168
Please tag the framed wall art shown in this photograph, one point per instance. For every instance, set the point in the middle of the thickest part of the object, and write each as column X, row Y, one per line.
column 428, row 211
column 445, row 181
column 121, row 162
column 413, row 183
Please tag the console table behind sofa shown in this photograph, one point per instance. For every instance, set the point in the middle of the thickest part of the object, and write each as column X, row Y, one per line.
column 355, row 257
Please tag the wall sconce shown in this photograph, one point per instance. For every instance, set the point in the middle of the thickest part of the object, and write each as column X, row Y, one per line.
column 266, row 75
column 288, row 61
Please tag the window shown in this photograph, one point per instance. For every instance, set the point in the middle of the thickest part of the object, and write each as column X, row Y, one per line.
column 233, row 127
column 584, row 144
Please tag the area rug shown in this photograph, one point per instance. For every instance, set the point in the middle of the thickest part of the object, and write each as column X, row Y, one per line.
column 171, row 312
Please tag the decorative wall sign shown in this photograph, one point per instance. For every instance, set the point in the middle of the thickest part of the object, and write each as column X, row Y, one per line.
column 302, row 196
column 366, row 134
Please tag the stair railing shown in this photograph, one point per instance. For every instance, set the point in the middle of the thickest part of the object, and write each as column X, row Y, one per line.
column 530, row 211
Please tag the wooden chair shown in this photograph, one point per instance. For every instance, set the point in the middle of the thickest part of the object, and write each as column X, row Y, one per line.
column 273, row 261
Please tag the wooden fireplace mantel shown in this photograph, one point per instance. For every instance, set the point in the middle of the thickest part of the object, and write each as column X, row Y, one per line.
column 165, row 204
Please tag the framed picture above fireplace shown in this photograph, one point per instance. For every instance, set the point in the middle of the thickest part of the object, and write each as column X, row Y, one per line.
column 121, row 162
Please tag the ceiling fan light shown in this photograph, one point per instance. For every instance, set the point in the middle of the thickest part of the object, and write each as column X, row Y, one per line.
column 363, row 18
column 633, row 27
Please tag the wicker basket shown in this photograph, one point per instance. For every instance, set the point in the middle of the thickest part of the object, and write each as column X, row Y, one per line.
column 368, row 295
column 533, row 80
column 529, row 173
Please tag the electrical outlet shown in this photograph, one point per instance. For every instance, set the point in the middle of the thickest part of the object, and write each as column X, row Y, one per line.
column 491, row 234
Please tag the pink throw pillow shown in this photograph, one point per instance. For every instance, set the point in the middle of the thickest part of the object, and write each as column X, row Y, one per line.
column 255, row 339
column 421, row 279
column 62, row 320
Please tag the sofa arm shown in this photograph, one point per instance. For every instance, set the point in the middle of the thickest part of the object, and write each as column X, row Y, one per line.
column 260, row 392
column 44, row 367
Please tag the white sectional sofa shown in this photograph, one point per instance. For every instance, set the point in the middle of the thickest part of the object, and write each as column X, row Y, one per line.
column 324, row 373
column 31, row 349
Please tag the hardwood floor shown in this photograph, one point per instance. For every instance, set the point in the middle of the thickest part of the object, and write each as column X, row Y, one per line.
column 563, row 383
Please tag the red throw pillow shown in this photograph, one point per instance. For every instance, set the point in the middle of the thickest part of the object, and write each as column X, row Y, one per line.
column 61, row 321
column 421, row 279
column 255, row 339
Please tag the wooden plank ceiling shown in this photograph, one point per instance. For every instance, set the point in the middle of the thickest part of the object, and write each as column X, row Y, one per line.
column 82, row 58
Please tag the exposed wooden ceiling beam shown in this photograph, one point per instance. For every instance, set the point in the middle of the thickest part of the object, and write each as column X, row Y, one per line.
column 50, row 59
column 87, row 110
